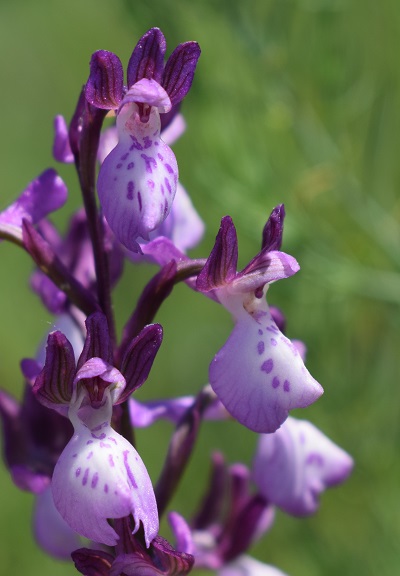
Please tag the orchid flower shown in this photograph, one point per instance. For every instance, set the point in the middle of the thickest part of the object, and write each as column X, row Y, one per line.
column 293, row 466
column 138, row 179
column 258, row 374
column 99, row 475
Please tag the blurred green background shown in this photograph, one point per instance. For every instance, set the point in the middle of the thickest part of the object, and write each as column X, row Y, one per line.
column 295, row 102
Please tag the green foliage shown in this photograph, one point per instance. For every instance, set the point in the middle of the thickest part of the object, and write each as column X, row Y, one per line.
column 294, row 102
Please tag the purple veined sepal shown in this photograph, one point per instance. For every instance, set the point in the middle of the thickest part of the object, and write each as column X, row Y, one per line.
column 137, row 180
column 42, row 196
column 100, row 475
column 296, row 464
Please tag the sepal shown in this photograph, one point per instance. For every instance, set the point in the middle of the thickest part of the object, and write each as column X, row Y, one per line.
column 220, row 268
column 147, row 59
column 273, row 229
column 179, row 71
column 105, row 86
column 92, row 562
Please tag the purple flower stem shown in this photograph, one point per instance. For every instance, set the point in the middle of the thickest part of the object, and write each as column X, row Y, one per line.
column 46, row 259
column 180, row 449
column 85, row 160
column 154, row 294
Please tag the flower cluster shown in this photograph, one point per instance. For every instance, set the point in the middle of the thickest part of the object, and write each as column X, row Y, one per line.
column 70, row 441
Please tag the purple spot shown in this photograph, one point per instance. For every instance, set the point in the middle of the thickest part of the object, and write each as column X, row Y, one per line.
column 273, row 342
column 101, row 437
column 156, row 143
column 130, row 166
column 105, row 445
column 77, row 472
column 147, row 142
column 166, row 206
column 88, row 457
column 169, row 169
column 85, row 477
column 315, row 459
column 74, row 455
column 135, row 143
column 286, row 386
column 139, row 197
column 95, row 479
column 150, row 184
column 89, row 441
column 272, row 328
column 112, row 439
column 267, row 366
column 275, row 382
column 261, row 347
column 119, row 165
column 168, row 185
column 260, row 332
column 155, row 133
column 128, row 470
column 150, row 163
column 106, row 488
column 97, row 428
column 162, row 189
column 125, row 156
column 160, row 157
column 110, row 460
column 115, row 178
column 130, row 188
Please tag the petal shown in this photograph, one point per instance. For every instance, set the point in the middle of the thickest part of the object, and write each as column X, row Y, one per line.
column 148, row 92
column 263, row 269
column 108, row 141
column 273, row 229
column 51, row 531
column 139, row 358
column 293, row 466
column 105, row 86
column 138, row 179
column 179, row 70
column 174, row 129
column 42, row 196
column 183, row 225
column 221, row 265
column 53, row 386
column 147, row 59
column 258, row 374
column 144, row 414
column 98, row 476
column 61, row 149
column 92, row 562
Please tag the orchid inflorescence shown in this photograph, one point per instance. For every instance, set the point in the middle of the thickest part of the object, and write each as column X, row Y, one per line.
column 70, row 440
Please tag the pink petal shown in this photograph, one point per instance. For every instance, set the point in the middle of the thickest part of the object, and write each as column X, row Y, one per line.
column 259, row 375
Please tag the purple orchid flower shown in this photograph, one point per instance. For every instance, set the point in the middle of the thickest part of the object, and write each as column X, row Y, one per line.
column 99, row 475
column 41, row 197
column 137, row 180
column 293, row 466
column 258, row 374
